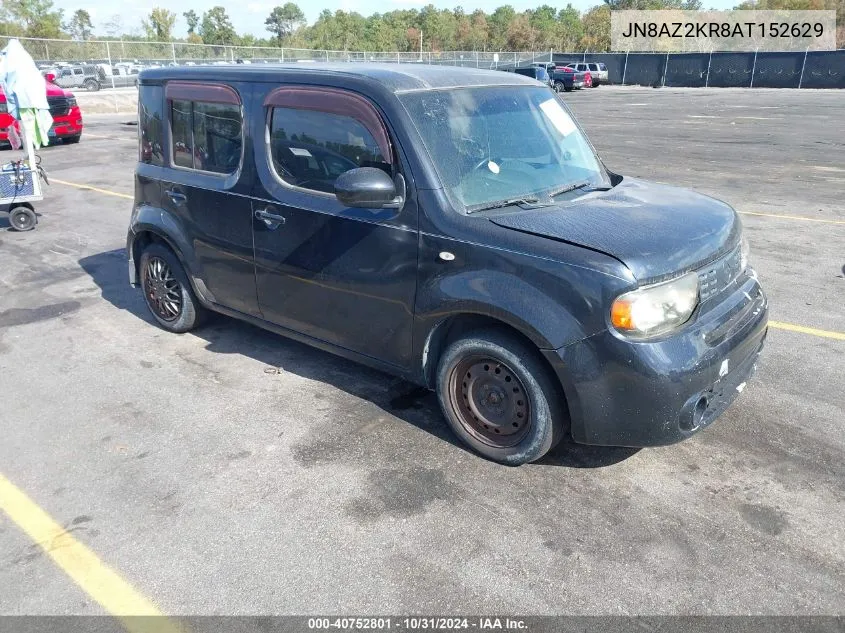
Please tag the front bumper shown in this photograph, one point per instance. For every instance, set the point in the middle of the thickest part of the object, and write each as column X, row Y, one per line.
column 622, row 392
column 67, row 125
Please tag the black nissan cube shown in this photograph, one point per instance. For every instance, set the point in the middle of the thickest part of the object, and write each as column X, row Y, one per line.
column 453, row 227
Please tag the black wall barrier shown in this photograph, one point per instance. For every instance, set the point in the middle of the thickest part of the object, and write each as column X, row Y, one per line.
column 778, row 70
column 731, row 70
column 824, row 69
column 819, row 69
column 688, row 70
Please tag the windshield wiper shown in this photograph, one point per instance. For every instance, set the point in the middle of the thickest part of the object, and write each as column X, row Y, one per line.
column 578, row 185
column 528, row 202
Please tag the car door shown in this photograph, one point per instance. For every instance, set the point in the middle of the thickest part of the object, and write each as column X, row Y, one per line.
column 337, row 274
column 206, row 186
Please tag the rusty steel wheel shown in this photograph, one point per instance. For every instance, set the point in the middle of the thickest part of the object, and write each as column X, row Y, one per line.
column 491, row 401
column 499, row 397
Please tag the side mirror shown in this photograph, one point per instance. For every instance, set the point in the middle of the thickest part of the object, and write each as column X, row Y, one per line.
column 50, row 77
column 365, row 187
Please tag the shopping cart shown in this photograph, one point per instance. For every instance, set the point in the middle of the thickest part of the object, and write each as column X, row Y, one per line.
column 20, row 187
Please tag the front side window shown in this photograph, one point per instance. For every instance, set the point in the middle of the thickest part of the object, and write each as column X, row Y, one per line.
column 311, row 148
column 494, row 144
column 206, row 136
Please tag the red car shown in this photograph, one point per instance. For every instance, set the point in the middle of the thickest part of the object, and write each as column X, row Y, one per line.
column 67, row 117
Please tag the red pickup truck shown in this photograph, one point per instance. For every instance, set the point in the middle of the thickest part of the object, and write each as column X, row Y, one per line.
column 67, row 117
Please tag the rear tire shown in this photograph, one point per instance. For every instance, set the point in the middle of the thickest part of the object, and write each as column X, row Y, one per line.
column 499, row 398
column 91, row 85
column 167, row 291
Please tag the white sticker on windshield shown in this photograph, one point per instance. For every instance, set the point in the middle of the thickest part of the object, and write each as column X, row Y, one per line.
column 558, row 116
column 493, row 167
column 300, row 151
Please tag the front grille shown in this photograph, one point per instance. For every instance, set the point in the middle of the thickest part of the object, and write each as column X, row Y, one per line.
column 59, row 106
column 720, row 274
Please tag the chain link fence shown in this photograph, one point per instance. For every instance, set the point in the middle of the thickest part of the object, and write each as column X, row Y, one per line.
column 47, row 52
column 815, row 69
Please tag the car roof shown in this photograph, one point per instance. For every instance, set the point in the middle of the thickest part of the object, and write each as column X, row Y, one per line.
column 397, row 78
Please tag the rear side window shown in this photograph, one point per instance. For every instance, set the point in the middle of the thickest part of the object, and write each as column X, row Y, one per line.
column 151, row 121
column 206, row 131
column 316, row 135
column 594, row 66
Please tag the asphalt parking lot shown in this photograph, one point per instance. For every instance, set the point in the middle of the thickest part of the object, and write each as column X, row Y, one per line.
column 232, row 471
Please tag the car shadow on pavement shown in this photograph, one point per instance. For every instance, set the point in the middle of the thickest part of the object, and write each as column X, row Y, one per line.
column 413, row 404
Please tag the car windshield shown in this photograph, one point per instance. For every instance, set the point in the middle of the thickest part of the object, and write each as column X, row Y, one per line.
column 498, row 144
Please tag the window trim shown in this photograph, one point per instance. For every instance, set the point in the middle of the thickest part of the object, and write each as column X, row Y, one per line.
column 313, row 98
column 193, row 91
column 197, row 92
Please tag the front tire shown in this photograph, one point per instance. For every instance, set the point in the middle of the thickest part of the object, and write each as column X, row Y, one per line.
column 91, row 85
column 167, row 291
column 499, row 398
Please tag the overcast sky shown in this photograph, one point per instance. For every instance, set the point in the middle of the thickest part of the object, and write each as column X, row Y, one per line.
column 251, row 18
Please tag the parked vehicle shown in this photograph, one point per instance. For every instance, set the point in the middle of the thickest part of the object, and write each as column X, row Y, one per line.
column 118, row 77
column 67, row 117
column 86, row 76
column 451, row 226
column 568, row 79
column 598, row 71
column 535, row 72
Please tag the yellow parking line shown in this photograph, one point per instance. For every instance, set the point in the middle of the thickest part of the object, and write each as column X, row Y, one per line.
column 90, row 188
column 83, row 566
column 839, row 336
column 793, row 217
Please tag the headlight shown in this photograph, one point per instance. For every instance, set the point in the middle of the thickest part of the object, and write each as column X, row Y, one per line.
column 745, row 250
column 656, row 309
column 3, row 107
column 71, row 102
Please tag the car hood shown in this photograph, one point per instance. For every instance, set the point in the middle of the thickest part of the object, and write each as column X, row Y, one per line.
column 57, row 91
column 655, row 230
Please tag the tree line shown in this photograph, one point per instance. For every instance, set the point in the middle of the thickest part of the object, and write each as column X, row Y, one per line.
column 543, row 28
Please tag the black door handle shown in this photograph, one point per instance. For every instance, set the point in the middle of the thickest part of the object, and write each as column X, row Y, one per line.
column 272, row 220
column 176, row 197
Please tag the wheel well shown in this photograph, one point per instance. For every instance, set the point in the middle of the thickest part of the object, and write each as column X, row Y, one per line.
column 142, row 240
column 459, row 325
